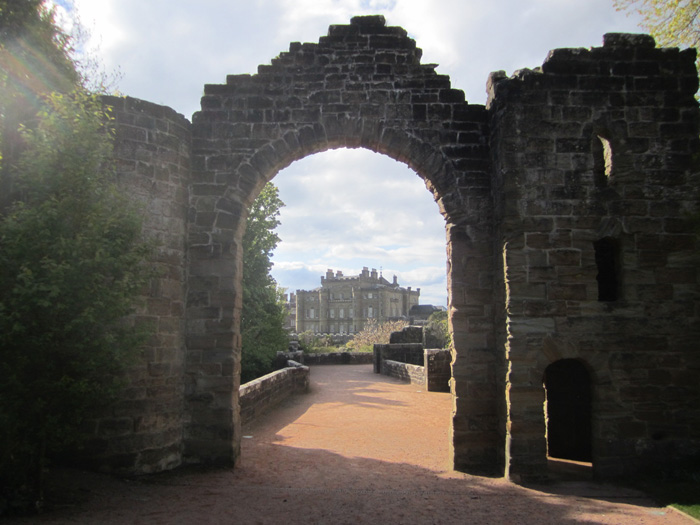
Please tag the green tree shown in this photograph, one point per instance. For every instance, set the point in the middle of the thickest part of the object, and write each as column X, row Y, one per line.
column 71, row 252
column 71, row 267
column 263, row 315
column 670, row 22
column 35, row 60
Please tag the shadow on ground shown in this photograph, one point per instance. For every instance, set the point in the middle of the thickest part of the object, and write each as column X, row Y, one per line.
column 363, row 449
column 306, row 486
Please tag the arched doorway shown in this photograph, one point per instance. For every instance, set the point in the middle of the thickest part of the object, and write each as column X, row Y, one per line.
column 568, row 412
column 361, row 86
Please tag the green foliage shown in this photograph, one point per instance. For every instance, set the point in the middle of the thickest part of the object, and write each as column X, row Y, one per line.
column 35, row 52
column 438, row 329
column 263, row 315
column 71, row 265
column 670, row 22
column 683, row 494
column 316, row 343
column 374, row 333
column 35, row 60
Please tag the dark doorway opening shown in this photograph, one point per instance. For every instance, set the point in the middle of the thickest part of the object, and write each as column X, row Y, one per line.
column 568, row 410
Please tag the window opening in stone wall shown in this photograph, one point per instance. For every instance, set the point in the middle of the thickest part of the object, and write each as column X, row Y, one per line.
column 568, row 410
column 347, row 209
column 607, row 260
column 602, row 160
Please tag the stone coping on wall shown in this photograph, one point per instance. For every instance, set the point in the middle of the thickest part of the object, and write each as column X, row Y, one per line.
column 264, row 393
column 339, row 358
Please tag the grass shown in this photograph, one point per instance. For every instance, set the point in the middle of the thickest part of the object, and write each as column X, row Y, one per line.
column 683, row 495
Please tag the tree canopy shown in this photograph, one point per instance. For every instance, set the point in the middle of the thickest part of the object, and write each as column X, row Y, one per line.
column 670, row 22
column 35, row 60
column 262, row 318
column 72, row 256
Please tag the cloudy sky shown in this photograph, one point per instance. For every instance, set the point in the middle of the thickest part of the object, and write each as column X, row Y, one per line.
column 345, row 209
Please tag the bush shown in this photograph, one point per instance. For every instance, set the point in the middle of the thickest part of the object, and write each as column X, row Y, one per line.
column 374, row 333
column 71, row 266
column 437, row 329
column 312, row 343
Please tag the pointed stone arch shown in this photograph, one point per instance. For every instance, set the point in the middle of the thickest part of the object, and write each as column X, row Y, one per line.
column 361, row 86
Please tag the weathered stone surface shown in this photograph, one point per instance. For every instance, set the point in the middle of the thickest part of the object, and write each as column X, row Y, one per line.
column 627, row 104
column 595, row 149
column 263, row 394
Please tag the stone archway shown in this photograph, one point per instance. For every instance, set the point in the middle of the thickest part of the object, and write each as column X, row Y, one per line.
column 526, row 197
column 361, row 86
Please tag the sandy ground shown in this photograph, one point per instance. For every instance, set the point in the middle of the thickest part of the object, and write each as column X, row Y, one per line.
column 360, row 448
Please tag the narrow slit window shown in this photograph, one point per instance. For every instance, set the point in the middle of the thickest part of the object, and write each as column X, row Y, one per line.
column 607, row 260
column 603, row 159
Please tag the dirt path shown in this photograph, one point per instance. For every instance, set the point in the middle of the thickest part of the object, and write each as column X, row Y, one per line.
column 360, row 448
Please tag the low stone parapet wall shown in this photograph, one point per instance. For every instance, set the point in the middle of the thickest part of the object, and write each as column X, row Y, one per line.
column 264, row 393
column 438, row 369
column 339, row 358
column 414, row 374
column 411, row 353
column 409, row 361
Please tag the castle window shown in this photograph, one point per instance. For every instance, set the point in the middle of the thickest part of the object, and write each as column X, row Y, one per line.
column 602, row 160
column 607, row 260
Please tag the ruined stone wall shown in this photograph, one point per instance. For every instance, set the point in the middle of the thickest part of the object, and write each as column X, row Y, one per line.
column 598, row 145
column 566, row 204
column 410, row 362
column 408, row 334
column 362, row 85
column 402, row 352
column 143, row 432
column 414, row 374
column 437, row 369
column 339, row 358
column 264, row 393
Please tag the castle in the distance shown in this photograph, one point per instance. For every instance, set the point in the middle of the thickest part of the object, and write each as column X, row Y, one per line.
column 343, row 304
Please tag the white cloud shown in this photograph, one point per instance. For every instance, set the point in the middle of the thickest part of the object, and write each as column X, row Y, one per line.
column 344, row 211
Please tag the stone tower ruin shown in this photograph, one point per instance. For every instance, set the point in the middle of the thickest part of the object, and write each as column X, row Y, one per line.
column 572, row 262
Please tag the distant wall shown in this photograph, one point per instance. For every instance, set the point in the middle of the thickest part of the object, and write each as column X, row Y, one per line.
column 339, row 358
column 408, row 334
column 266, row 392
column 411, row 353
column 410, row 362
column 438, row 370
